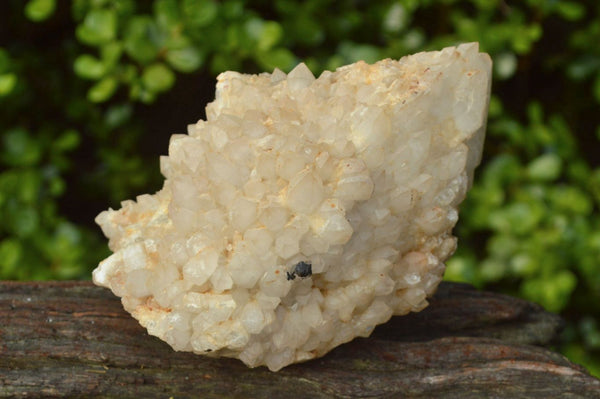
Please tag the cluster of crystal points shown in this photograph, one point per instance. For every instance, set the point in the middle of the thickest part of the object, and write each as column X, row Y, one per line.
column 357, row 174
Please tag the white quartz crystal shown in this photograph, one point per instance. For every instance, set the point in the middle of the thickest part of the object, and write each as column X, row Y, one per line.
column 357, row 174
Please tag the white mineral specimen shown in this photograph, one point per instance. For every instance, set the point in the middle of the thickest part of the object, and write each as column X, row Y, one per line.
column 304, row 211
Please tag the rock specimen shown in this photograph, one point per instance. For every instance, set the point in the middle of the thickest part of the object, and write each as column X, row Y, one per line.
column 303, row 212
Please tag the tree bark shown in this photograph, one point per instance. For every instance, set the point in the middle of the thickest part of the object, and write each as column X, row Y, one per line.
column 72, row 339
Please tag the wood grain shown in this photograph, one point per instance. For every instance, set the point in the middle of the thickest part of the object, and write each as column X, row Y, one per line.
column 72, row 339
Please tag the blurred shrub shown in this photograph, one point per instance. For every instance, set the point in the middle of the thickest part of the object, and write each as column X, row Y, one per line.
column 76, row 82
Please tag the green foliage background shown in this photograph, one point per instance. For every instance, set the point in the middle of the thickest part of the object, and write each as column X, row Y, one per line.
column 90, row 91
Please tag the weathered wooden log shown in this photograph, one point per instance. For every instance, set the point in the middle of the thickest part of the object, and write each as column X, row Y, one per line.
column 72, row 339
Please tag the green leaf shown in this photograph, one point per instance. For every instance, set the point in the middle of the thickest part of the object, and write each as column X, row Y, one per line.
column 147, row 97
column 492, row 270
column 79, row 8
column 570, row 10
column 413, row 39
column 552, row 291
column 167, row 13
column 65, row 249
column 535, row 113
column 571, row 199
column 281, row 58
column 354, row 52
column 89, row 67
column 524, row 265
column 395, row 18
column 232, row 9
column 502, row 170
column 186, row 60
column 142, row 39
column 24, row 221
column 30, row 182
column 158, row 77
column 117, row 115
column 237, row 41
column 505, row 65
column 20, row 149
column 178, row 42
column 199, row 13
column 462, row 269
column 503, row 246
column 579, row 354
column 589, row 329
column 10, row 255
column 8, row 81
column 334, row 62
column 271, row 33
column 517, row 217
column 102, row 90
column 226, row 62
column 56, row 186
column 98, row 27
column 129, row 73
column 110, row 53
column 524, row 37
column 67, row 141
column 253, row 28
column 546, row 167
column 39, row 10
column 496, row 106
column 583, row 67
column 307, row 30
column 67, row 235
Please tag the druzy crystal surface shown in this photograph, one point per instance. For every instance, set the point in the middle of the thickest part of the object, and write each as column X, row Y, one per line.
column 303, row 212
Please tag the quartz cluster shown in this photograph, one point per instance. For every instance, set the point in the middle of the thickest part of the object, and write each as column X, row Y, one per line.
column 303, row 212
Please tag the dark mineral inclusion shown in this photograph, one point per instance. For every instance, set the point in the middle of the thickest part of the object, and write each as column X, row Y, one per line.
column 302, row 269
